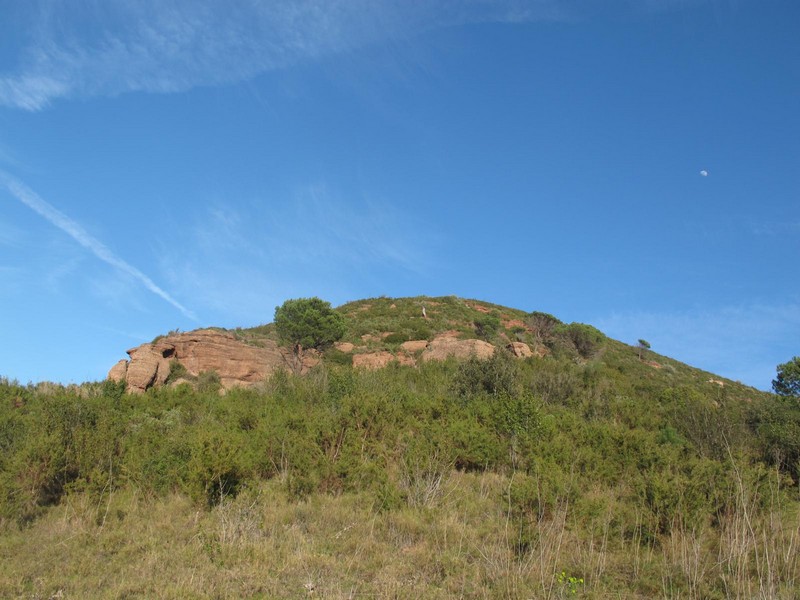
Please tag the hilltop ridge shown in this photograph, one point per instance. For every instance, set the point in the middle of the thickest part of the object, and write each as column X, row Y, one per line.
column 385, row 331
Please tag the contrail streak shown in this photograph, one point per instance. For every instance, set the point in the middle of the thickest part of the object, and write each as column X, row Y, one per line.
column 33, row 201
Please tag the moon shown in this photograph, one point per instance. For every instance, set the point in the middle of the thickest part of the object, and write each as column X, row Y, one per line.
column 704, row 173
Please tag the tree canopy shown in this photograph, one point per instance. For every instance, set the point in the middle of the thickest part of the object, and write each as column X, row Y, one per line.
column 787, row 383
column 308, row 323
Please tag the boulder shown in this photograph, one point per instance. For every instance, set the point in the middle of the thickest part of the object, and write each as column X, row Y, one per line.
column 143, row 368
column 119, row 371
column 520, row 349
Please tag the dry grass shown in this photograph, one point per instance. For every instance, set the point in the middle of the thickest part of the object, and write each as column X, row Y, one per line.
column 466, row 544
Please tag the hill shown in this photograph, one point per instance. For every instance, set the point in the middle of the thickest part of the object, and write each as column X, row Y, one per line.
column 585, row 469
column 385, row 331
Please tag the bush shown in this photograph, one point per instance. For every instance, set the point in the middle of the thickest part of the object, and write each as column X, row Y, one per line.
column 486, row 326
column 777, row 424
column 176, row 371
column 543, row 325
column 584, row 338
column 497, row 375
column 395, row 339
column 208, row 381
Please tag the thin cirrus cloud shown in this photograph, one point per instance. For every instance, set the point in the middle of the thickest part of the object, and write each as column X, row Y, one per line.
column 237, row 260
column 365, row 232
column 33, row 201
column 164, row 46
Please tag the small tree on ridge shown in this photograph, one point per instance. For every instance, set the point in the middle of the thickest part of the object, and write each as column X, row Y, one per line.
column 787, row 383
column 306, row 323
column 643, row 346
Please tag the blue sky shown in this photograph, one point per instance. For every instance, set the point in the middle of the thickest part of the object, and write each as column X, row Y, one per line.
column 175, row 164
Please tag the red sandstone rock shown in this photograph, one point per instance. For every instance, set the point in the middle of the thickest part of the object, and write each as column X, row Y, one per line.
column 119, row 371
column 236, row 363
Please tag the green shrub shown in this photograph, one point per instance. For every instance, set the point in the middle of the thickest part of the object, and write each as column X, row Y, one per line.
column 395, row 339
column 176, row 371
column 475, row 446
column 776, row 422
column 497, row 375
column 337, row 357
column 215, row 470
column 542, row 324
column 486, row 326
column 554, row 381
column 584, row 338
column 208, row 382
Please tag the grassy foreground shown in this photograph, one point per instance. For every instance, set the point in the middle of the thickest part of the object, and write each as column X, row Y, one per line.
column 465, row 544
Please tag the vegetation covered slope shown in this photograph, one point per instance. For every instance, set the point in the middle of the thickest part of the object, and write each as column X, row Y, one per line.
column 586, row 472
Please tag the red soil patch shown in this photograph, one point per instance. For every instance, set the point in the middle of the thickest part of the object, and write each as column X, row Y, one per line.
column 480, row 308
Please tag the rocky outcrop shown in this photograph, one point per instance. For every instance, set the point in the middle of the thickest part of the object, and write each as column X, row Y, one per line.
column 239, row 364
column 236, row 363
column 414, row 346
column 445, row 346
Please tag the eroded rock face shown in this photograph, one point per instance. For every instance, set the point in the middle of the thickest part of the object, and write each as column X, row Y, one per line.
column 236, row 363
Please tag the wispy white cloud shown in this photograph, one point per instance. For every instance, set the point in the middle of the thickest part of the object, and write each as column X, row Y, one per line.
column 241, row 261
column 739, row 342
column 108, row 48
column 362, row 231
column 54, row 277
column 33, row 201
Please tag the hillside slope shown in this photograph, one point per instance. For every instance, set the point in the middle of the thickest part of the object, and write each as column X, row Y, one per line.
column 584, row 469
